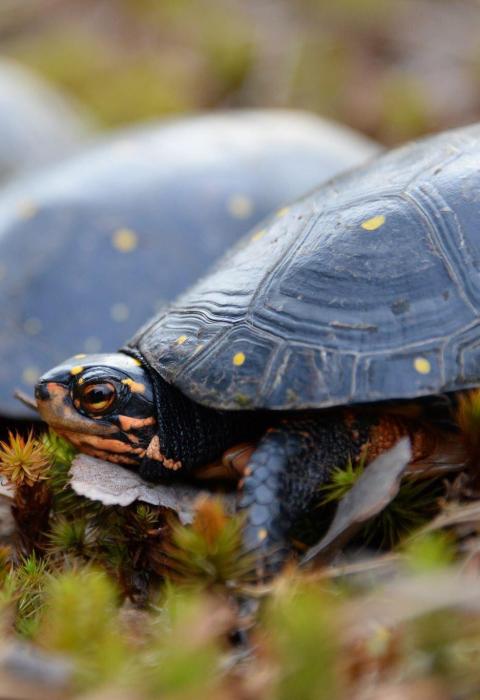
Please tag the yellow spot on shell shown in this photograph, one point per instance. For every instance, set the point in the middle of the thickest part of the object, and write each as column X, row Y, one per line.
column 281, row 212
column 136, row 387
column 136, row 362
column 30, row 375
column 422, row 365
column 240, row 206
column 373, row 223
column 238, row 359
column 80, row 356
column 181, row 339
column 258, row 235
column 262, row 534
column 125, row 240
column 26, row 209
column 76, row 370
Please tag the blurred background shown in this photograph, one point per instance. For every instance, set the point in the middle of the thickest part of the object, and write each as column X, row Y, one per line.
column 393, row 69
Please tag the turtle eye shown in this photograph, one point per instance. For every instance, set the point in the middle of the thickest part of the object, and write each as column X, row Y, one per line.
column 96, row 398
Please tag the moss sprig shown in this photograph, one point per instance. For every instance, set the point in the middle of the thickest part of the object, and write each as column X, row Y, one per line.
column 208, row 552
column 24, row 461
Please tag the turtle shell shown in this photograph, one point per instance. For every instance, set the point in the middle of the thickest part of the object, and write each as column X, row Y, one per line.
column 89, row 249
column 37, row 123
column 368, row 289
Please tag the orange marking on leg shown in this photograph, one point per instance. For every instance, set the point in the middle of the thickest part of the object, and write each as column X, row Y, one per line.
column 237, row 458
column 390, row 429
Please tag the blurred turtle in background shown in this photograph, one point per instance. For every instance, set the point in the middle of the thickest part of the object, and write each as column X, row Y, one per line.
column 91, row 248
column 37, row 123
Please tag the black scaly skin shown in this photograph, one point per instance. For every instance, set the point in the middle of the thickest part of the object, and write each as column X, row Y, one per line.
column 292, row 461
column 193, row 434
column 283, row 477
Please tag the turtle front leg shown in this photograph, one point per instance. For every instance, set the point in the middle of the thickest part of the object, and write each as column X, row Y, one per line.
column 283, row 477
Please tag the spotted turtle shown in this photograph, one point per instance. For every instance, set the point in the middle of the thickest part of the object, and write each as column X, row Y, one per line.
column 301, row 341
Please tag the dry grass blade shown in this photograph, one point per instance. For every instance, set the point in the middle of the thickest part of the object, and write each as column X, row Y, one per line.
column 412, row 596
column 453, row 514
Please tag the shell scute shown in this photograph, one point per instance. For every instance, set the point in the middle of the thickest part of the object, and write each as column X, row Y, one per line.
column 342, row 312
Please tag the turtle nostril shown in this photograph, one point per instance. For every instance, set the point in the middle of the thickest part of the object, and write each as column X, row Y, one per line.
column 41, row 392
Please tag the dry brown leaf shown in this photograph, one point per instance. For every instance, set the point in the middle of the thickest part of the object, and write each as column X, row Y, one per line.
column 113, row 485
column 376, row 488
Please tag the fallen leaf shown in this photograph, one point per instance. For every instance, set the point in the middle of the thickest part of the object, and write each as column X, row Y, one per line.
column 376, row 488
column 113, row 485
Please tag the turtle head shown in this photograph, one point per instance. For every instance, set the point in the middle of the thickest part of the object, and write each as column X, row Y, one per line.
column 103, row 404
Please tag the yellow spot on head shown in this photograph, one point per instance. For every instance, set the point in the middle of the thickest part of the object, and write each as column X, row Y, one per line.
column 281, row 212
column 258, row 235
column 135, row 387
column 240, row 206
column 262, row 534
column 238, row 359
column 80, row 356
column 26, row 209
column 125, row 240
column 181, row 339
column 76, row 370
column 373, row 223
column 30, row 375
column 136, row 362
column 422, row 365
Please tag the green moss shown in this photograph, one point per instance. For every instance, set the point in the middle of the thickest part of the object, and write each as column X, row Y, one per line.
column 25, row 586
column 80, row 619
column 429, row 552
column 322, row 70
column 118, row 86
column 209, row 552
column 185, row 653
column 301, row 629
column 404, row 112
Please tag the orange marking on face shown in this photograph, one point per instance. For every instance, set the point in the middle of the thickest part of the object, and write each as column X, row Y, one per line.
column 106, row 445
column 127, row 423
column 154, row 452
column 58, row 412
column 108, row 457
